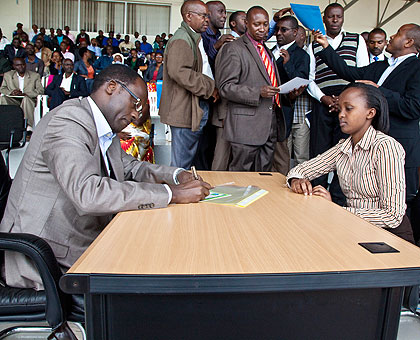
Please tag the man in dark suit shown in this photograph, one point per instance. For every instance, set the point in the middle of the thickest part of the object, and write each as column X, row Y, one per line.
column 399, row 80
column 292, row 61
column 376, row 44
column 14, row 50
column 66, row 86
column 247, row 78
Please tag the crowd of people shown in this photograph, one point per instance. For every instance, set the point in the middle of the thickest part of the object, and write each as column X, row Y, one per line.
column 221, row 97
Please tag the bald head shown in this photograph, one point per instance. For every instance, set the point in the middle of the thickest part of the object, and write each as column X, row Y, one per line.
column 257, row 23
column 196, row 14
column 413, row 32
column 253, row 10
column 191, row 5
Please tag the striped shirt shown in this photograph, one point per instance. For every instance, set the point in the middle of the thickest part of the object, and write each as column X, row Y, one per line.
column 371, row 176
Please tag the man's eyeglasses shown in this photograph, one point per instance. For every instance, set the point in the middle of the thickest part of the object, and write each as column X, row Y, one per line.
column 137, row 103
column 285, row 29
column 202, row 15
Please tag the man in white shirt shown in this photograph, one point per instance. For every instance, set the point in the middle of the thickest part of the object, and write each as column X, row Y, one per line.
column 237, row 23
column 376, row 45
column 3, row 41
column 327, row 86
column 33, row 32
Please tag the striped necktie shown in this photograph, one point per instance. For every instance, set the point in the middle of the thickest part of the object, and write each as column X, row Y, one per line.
column 270, row 71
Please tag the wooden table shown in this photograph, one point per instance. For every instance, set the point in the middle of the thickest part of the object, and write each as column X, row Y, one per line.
column 288, row 266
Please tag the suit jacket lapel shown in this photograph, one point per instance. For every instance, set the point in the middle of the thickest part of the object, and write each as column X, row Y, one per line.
column 15, row 80
column 114, row 158
column 257, row 57
column 26, row 81
column 399, row 69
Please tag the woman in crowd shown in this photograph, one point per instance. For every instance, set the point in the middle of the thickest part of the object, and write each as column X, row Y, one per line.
column 56, row 63
column 135, row 62
column 369, row 163
column 156, row 43
column 84, row 67
column 155, row 72
column 135, row 138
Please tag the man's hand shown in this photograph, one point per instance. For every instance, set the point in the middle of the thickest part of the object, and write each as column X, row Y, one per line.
column 124, row 135
column 215, row 95
column 285, row 55
column 269, row 91
column 320, row 38
column 319, row 190
column 301, row 186
column 186, row 176
column 190, row 192
column 367, row 82
column 296, row 92
column 16, row 92
column 222, row 40
column 282, row 12
column 331, row 102
column 67, row 93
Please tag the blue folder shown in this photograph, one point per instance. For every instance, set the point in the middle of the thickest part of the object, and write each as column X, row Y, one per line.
column 309, row 16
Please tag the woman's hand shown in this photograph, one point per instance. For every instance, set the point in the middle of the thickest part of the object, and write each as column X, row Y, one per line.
column 319, row 190
column 301, row 186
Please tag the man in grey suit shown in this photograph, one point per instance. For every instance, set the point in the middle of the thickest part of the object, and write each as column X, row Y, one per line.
column 74, row 175
column 21, row 87
column 247, row 77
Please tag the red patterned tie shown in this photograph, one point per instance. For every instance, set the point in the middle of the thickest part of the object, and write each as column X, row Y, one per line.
column 270, row 70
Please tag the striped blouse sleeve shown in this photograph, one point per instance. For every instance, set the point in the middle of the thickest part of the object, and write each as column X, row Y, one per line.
column 390, row 179
column 318, row 166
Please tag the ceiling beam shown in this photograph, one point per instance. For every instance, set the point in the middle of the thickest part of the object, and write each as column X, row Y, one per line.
column 407, row 4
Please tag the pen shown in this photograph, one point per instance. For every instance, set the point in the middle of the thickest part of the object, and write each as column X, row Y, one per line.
column 194, row 172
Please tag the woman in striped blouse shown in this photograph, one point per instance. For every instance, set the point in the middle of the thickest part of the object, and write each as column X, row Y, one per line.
column 369, row 164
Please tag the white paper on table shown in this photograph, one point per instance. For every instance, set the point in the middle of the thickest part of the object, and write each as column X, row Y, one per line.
column 295, row 83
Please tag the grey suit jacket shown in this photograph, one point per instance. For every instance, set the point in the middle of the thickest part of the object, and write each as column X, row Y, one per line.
column 62, row 192
column 240, row 74
column 31, row 85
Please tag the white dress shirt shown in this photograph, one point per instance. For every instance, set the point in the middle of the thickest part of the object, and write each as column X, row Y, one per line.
column 362, row 59
column 380, row 57
column 3, row 43
column 106, row 135
column 236, row 35
column 206, row 66
column 393, row 63
column 276, row 51
column 21, row 82
column 66, row 82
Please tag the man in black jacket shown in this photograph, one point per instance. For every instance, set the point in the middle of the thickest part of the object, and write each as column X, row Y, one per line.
column 14, row 50
column 292, row 61
column 398, row 78
column 66, row 86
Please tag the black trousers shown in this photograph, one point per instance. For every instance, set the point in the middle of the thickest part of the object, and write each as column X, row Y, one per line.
column 325, row 133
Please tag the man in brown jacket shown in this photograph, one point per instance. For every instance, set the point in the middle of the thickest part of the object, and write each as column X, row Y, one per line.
column 187, row 82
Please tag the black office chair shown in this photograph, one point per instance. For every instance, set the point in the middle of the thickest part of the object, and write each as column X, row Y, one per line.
column 27, row 305
column 12, row 129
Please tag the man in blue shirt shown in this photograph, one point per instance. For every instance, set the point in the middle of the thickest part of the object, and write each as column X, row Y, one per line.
column 115, row 42
column 145, row 46
column 105, row 60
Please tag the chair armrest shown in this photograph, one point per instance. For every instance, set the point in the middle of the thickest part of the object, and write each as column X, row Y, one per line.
column 39, row 251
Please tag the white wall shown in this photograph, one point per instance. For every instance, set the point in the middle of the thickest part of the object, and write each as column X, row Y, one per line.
column 360, row 17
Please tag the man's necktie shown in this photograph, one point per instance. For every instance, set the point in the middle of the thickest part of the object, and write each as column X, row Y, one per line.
column 270, row 71
column 375, row 58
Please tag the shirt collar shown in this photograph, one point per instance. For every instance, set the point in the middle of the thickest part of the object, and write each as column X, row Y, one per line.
column 236, row 35
column 285, row 47
column 253, row 41
column 365, row 143
column 102, row 127
column 393, row 61
column 342, row 32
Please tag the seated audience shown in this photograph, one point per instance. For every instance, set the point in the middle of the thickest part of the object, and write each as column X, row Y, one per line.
column 94, row 48
column 14, row 50
column 43, row 52
column 105, row 60
column 369, row 163
column 126, row 46
column 24, row 39
column 88, row 176
column 66, row 86
column 115, row 49
column 100, row 38
column 145, row 46
column 136, row 37
column 77, row 56
column 4, row 66
column 84, row 67
column 161, row 48
column 118, row 58
column 118, row 37
column 56, row 63
column 52, row 34
column 140, row 52
column 68, row 34
column 162, row 38
column 25, row 85
column 151, row 58
column 65, row 53
column 135, row 62
column 155, row 72
column 114, row 42
column 3, row 41
column 19, row 29
column 83, row 36
column 33, row 63
column 42, row 34
column 58, row 38
column 156, row 43
column 376, row 45
column 34, row 31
